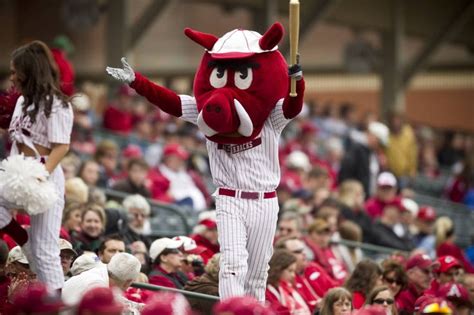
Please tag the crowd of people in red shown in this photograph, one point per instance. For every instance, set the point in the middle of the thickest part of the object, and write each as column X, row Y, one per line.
column 342, row 178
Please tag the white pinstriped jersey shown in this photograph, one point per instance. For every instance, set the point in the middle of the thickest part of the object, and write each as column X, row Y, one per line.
column 251, row 166
column 44, row 131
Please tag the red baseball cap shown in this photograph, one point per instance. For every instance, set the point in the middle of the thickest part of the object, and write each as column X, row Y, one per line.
column 456, row 293
column 167, row 303
column 447, row 262
column 35, row 298
column 427, row 214
column 241, row 305
column 209, row 223
column 132, row 151
column 99, row 300
column 422, row 261
column 175, row 149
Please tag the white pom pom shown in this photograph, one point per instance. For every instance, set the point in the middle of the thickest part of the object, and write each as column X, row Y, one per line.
column 20, row 184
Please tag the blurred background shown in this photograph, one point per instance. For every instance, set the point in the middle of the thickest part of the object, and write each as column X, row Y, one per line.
column 376, row 54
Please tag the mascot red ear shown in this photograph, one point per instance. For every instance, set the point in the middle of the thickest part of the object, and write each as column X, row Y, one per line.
column 272, row 37
column 205, row 40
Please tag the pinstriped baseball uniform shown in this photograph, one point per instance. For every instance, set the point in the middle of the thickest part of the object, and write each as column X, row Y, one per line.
column 246, row 226
column 44, row 231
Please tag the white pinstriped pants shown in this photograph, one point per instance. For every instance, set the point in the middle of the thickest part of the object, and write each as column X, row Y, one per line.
column 246, row 228
column 43, row 235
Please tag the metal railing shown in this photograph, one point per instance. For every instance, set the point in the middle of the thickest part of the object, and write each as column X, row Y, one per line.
column 166, row 219
column 152, row 287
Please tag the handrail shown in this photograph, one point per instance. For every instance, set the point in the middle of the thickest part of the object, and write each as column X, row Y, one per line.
column 369, row 247
column 154, row 203
column 153, row 287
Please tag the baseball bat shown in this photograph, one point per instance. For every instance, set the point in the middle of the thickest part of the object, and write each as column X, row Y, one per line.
column 294, row 34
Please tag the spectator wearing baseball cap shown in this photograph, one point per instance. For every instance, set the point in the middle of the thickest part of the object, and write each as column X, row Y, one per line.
column 183, row 187
column 458, row 296
column 17, row 263
column 67, row 254
column 34, row 298
column 425, row 239
column 84, row 262
column 205, row 232
column 385, row 194
column 360, row 160
column 193, row 262
column 241, row 305
column 121, row 271
column 100, row 300
column 167, row 260
column 444, row 231
column 449, row 270
column 419, row 270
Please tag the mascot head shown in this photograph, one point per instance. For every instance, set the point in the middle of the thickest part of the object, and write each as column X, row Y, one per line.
column 240, row 79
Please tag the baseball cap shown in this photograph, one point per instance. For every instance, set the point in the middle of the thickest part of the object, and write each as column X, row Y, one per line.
column 99, row 300
column 189, row 245
column 124, row 266
column 16, row 255
column 84, row 262
column 209, row 223
column 380, row 131
column 238, row 43
column 159, row 245
column 175, row 149
column 432, row 305
column 167, row 303
column 427, row 214
column 447, row 262
column 132, row 151
column 386, row 179
column 455, row 293
column 66, row 246
column 410, row 205
column 298, row 159
column 241, row 305
column 422, row 261
column 34, row 298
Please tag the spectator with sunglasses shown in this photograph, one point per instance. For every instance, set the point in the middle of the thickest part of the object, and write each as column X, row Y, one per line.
column 394, row 276
column 384, row 297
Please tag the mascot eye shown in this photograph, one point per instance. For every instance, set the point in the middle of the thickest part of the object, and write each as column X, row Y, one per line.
column 243, row 78
column 218, row 77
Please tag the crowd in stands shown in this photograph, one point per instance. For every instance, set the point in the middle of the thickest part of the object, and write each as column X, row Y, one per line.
column 343, row 178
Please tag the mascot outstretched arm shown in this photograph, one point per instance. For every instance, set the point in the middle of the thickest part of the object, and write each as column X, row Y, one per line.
column 241, row 103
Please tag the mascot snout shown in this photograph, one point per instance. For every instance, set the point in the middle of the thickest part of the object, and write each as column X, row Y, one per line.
column 222, row 113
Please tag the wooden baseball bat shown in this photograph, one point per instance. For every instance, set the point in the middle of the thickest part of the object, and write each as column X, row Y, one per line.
column 294, row 34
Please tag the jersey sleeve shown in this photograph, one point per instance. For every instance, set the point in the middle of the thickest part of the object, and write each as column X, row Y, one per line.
column 60, row 123
column 277, row 118
column 189, row 109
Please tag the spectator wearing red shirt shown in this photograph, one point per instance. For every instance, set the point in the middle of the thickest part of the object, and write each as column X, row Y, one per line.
column 205, row 233
column 419, row 270
column 311, row 280
column 449, row 270
column 385, row 194
column 167, row 260
column 61, row 48
column 366, row 276
column 118, row 117
column 445, row 243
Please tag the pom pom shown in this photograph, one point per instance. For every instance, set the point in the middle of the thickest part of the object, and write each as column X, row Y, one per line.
column 23, row 182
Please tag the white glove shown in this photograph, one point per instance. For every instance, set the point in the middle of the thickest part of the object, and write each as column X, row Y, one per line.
column 126, row 74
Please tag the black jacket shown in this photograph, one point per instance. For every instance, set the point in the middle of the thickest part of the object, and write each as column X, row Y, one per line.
column 356, row 165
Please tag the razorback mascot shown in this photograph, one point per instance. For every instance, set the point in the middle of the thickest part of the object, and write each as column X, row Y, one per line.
column 241, row 104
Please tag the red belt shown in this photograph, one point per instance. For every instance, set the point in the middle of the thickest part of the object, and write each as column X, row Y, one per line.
column 246, row 194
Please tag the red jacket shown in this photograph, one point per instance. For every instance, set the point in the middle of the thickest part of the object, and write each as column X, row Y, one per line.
column 118, row 120
column 66, row 71
column 158, row 276
column 318, row 278
column 374, row 206
column 358, row 300
column 406, row 299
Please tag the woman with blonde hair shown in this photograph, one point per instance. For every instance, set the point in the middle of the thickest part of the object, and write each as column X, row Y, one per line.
column 90, row 237
column 338, row 301
column 445, row 245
